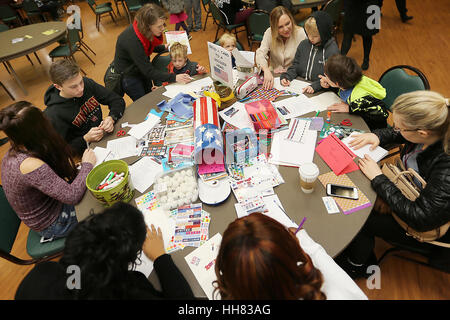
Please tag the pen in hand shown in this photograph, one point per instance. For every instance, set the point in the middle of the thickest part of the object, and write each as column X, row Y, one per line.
column 300, row 225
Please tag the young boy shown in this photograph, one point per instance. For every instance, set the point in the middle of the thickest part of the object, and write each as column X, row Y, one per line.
column 228, row 41
column 73, row 106
column 360, row 95
column 180, row 63
column 312, row 52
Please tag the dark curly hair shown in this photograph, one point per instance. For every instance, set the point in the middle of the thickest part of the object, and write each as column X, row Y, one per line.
column 104, row 246
column 260, row 259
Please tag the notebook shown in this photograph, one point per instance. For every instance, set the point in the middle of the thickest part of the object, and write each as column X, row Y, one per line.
column 337, row 155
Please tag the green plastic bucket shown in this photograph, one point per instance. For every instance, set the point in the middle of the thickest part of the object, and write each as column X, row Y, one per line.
column 121, row 192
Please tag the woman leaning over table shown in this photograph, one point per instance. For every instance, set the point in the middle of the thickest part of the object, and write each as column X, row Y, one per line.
column 279, row 44
column 39, row 176
column 134, row 47
column 421, row 122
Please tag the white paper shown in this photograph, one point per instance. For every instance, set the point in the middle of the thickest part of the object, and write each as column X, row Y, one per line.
column 220, row 64
column 285, row 152
column 244, row 59
column 159, row 218
column 324, row 100
column 296, row 106
column 140, row 130
column 239, row 119
column 123, row 147
column 143, row 173
column 202, row 264
column 100, row 154
column 377, row 154
column 175, row 88
column 296, row 86
column 273, row 205
column 330, row 205
column 178, row 36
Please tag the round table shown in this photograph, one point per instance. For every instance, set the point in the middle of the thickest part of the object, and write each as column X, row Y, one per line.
column 38, row 40
column 334, row 232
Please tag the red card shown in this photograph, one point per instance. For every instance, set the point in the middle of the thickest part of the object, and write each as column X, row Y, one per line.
column 337, row 155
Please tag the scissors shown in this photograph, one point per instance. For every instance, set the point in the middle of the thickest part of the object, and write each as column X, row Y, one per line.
column 346, row 122
column 121, row 133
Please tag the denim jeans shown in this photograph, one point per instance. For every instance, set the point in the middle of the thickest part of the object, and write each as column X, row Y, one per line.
column 66, row 221
column 135, row 87
column 193, row 5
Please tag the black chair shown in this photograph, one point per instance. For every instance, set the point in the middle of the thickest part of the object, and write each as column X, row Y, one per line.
column 257, row 23
column 9, row 227
column 396, row 82
column 101, row 9
column 32, row 10
column 9, row 15
column 206, row 4
column 160, row 62
column 334, row 8
column 220, row 21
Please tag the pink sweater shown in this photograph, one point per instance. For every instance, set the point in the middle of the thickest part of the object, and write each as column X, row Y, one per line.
column 38, row 196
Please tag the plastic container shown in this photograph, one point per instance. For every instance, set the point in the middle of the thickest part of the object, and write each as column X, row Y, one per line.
column 122, row 192
column 176, row 188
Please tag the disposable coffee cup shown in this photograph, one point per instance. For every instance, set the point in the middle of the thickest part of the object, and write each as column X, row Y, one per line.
column 308, row 175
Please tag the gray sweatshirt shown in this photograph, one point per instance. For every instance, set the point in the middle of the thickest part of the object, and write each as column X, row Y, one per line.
column 310, row 59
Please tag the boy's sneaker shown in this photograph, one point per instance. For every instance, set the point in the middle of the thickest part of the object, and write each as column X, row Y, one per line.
column 355, row 271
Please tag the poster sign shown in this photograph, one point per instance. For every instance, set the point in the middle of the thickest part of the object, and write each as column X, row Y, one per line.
column 220, row 64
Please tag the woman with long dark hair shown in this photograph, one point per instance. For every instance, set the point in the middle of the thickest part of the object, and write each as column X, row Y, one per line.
column 39, row 175
column 259, row 258
column 105, row 248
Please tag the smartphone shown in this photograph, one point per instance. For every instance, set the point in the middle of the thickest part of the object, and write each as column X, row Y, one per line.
column 336, row 190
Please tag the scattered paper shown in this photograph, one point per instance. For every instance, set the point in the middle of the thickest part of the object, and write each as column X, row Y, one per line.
column 237, row 116
column 123, row 147
column 330, row 205
column 140, row 130
column 143, row 173
column 100, row 154
column 296, row 86
column 377, row 154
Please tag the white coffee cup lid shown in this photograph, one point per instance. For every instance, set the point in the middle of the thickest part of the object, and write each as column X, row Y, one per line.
column 309, row 170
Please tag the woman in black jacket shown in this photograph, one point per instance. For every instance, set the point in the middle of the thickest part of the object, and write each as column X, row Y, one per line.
column 134, row 47
column 421, row 122
column 97, row 258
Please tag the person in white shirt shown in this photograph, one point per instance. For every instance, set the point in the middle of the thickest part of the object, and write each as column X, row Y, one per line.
column 259, row 258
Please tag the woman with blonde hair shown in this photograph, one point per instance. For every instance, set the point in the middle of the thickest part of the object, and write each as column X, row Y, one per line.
column 261, row 259
column 422, row 123
column 134, row 47
column 279, row 44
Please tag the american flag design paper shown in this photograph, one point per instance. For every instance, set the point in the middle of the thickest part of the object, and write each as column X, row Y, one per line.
column 205, row 111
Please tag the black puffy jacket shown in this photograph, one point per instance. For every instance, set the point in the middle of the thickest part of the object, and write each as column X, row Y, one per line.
column 432, row 208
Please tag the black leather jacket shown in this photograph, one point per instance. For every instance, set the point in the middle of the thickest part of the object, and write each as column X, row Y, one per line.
column 432, row 208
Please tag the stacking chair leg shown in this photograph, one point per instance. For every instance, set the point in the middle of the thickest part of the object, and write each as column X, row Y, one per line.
column 87, row 47
column 6, row 67
column 87, row 55
column 28, row 57
column 37, row 57
column 117, row 9
column 112, row 17
column 206, row 20
column 7, row 91
column 217, row 33
column 97, row 22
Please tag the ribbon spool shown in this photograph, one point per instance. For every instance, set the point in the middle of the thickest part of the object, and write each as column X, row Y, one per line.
column 213, row 192
column 226, row 95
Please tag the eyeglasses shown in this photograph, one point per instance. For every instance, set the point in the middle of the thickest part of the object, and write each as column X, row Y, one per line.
column 400, row 130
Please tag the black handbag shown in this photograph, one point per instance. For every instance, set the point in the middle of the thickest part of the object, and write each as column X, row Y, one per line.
column 113, row 79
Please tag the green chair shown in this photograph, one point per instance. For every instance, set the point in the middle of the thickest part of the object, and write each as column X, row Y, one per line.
column 101, row 9
column 206, row 7
column 72, row 45
column 220, row 21
column 116, row 2
column 396, row 82
column 132, row 6
column 334, row 8
column 8, row 15
column 32, row 10
column 9, row 227
column 257, row 23
column 160, row 62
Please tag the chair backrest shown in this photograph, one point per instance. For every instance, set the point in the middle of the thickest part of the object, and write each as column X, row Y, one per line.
column 396, row 82
column 7, row 12
column 258, row 22
column 92, row 4
column 133, row 3
column 9, row 223
column 3, row 27
column 334, row 9
column 30, row 6
column 217, row 15
column 205, row 2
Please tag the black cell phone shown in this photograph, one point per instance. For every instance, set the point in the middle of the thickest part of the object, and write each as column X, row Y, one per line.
column 336, row 190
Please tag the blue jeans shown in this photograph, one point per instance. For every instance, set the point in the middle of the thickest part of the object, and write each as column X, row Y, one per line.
column 193, row 5
column 66, row 221
column 135, row 87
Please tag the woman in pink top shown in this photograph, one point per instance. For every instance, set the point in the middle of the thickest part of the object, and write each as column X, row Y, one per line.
column 39, row 176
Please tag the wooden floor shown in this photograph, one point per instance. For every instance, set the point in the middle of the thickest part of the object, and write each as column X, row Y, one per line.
column 423, row 43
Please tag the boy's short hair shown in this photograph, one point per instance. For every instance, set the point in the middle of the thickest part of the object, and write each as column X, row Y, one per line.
column 311, row 27
column 63, row 70
column 227, row 37
column 343, row 70
column 178, row 49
